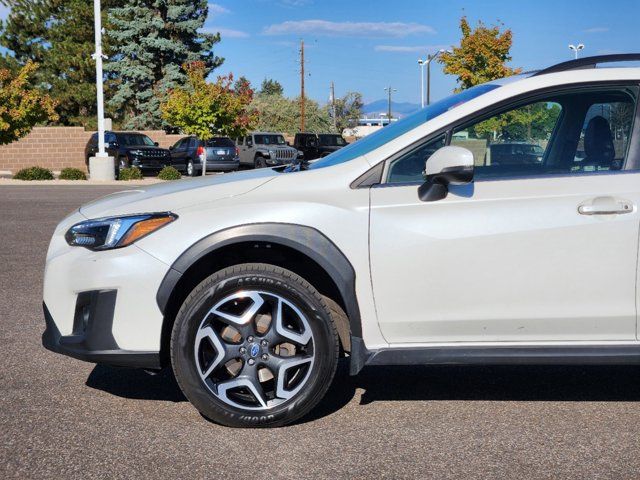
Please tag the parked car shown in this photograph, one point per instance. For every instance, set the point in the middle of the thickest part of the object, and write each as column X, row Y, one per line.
column 515, row 153
column 251, row 285
column 318, row 145
column 221, row 155
column 130, row 149
column 266, row 149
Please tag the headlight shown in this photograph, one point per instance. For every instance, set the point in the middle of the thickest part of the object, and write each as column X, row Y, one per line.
column 271, row 153
column 116, row 232
column 300, row 154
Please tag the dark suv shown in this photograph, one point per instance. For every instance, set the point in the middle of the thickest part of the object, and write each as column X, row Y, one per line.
column 318, row 145
column 130, row 149
column 221, row 154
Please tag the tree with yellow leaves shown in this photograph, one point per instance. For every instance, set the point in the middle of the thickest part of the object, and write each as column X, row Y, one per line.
column 22, row 106
column 481, row 56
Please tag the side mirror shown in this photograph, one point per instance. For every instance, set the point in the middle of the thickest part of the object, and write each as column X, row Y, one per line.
column 249, row 144
column 171, row 147
column 447, row 166
column 156, row 144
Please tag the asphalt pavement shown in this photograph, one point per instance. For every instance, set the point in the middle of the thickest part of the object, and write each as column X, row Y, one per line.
column 62, row 418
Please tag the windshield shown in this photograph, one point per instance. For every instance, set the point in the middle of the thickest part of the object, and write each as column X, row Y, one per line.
column 131, row 139
column 396, row 129
column 331, row 140
column 269, row 139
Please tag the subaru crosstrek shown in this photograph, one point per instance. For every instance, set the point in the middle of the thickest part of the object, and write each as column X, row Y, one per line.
column 410, row 246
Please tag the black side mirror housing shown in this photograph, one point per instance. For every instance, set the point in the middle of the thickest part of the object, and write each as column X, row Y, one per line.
column 156, row 144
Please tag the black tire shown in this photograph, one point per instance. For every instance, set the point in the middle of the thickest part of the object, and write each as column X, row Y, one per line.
column 259, row 162
column 272, row 280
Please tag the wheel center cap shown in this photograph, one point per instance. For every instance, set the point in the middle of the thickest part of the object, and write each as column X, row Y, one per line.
column 254, row 350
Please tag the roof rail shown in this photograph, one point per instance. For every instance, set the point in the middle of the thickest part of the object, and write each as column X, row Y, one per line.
column 589, row 62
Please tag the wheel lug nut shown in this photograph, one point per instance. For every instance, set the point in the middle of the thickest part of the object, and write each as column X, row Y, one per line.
column 251, row 361
column 263, row 343
column 250, row 339
column 243, row 350
column 265, row 356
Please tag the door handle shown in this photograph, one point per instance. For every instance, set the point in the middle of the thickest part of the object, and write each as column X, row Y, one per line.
column 606, row 206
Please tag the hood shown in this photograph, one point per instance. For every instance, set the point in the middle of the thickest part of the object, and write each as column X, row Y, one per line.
column 173, row 196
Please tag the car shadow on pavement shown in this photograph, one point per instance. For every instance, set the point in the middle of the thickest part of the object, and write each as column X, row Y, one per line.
column 417, row 383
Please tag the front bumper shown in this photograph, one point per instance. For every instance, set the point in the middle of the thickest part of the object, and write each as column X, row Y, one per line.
column 101, row 306
column 92, row 339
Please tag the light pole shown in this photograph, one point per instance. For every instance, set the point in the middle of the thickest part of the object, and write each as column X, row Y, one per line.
column 431, row 57
column 101, row 166
column 576, row 49
column 389, row 90
column 422, row 63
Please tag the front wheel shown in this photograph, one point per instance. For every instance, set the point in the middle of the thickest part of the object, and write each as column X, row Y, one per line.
column 254, row 345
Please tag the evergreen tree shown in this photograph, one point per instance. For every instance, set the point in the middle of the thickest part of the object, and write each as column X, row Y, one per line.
column 59, row 36
column 152, row 39
column 271, row 87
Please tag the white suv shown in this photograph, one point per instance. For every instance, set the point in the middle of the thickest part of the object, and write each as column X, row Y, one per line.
column 251, row 285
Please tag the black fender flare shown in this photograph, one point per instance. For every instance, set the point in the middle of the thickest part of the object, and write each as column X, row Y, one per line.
column 307, row 240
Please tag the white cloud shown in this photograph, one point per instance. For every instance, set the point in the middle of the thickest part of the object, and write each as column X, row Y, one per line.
column 348, row 29
column 409, row 48
column 296, row 3
column 597, row 30
column 226, row 32
column 215, row 9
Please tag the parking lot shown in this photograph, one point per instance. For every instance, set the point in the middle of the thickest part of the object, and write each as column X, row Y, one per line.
column 62, row 418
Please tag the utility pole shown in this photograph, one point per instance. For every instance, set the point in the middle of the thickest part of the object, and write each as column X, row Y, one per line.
column 333, row 105
column 302, row 85
column 389, row 90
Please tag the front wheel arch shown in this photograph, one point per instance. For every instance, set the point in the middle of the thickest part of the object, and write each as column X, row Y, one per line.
column 301, row 249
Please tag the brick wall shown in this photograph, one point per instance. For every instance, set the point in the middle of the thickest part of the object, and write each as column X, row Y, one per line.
column 58, row 147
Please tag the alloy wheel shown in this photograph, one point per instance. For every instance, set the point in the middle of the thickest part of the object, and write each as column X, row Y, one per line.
column 254, row 350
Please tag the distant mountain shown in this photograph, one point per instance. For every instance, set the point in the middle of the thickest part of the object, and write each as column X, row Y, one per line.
column 398, row 109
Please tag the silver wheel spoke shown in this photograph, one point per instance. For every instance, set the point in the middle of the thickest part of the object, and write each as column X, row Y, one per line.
column 208, row 333
column 247, row 316
column 299, row 338
column 253, row 386
column 283, row 367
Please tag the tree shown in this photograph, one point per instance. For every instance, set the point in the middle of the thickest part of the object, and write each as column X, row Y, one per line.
column 152, row 40
column 348, row 110
column 21, row 105
column 205, row 109
column 242, row 83
column 59, row 36
column 281, row 114
column 481, row 56
column 271, row 87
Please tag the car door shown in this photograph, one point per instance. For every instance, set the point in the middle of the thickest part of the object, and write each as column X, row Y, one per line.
column 526, row 253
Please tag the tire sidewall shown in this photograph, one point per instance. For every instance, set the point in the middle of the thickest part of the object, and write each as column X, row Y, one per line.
column 193, row 311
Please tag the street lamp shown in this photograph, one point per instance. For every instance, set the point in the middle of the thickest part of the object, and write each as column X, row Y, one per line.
column 422, row 64
column 101, row 166
column 431, row 57
column 576, row 49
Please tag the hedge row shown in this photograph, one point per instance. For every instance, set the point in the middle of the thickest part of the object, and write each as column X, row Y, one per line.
column 131, row 173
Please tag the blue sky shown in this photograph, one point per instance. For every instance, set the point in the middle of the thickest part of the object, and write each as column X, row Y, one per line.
column 365, row 45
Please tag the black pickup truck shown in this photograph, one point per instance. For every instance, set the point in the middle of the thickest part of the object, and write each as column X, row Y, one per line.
column 318, row 145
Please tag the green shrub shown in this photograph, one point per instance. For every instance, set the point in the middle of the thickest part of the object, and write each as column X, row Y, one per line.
column 130, row 173
column 34, row 173
column 72, row 174
column 169, row 173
